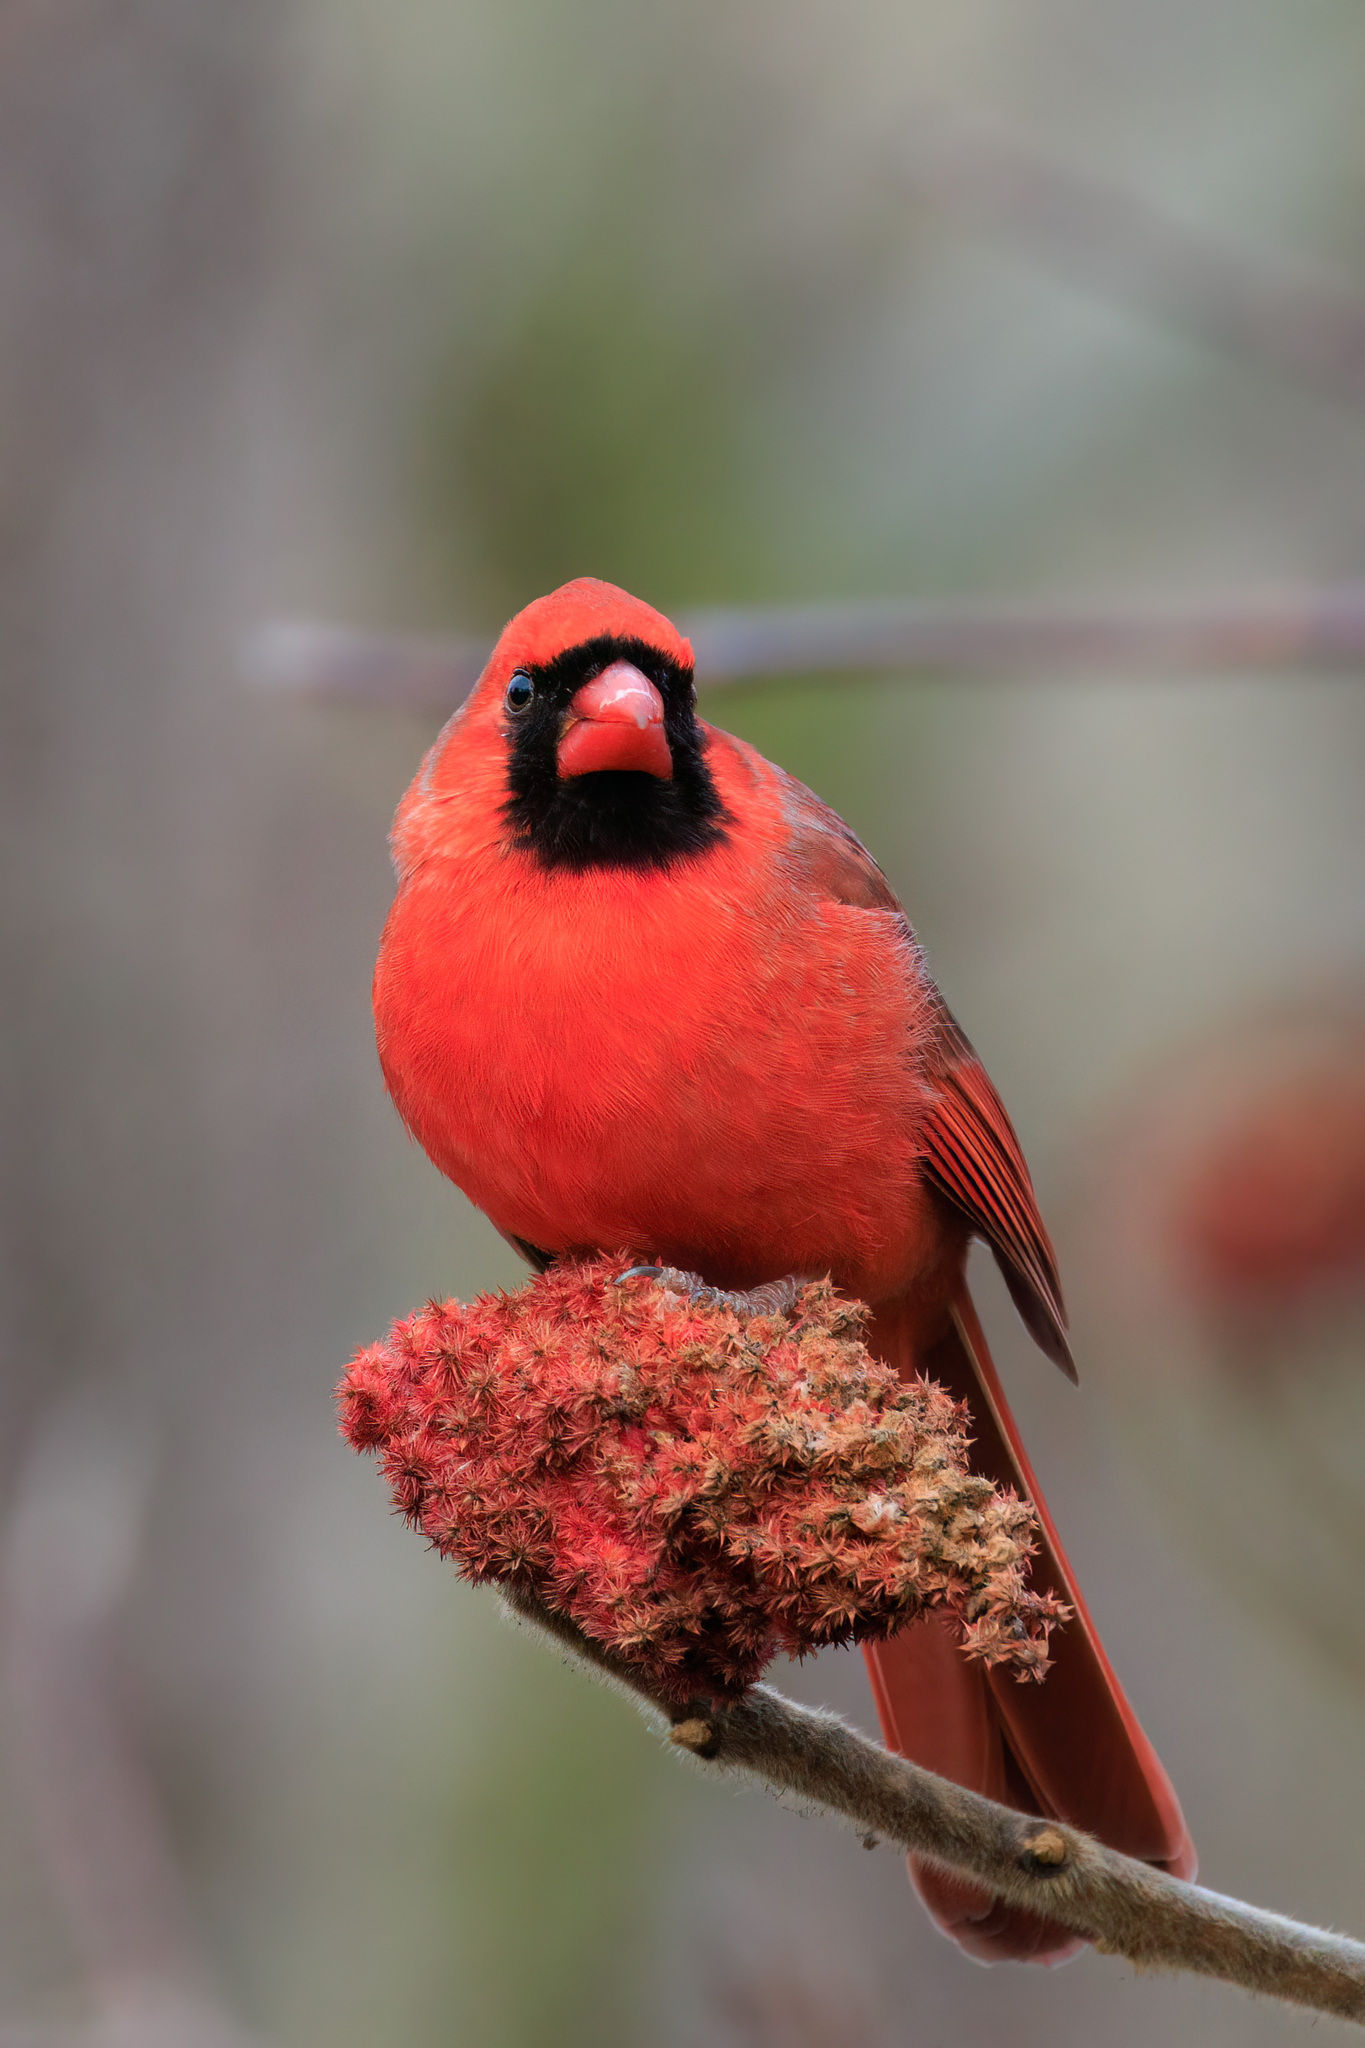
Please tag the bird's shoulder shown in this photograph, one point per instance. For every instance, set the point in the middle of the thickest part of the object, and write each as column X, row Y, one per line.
column 819, row 850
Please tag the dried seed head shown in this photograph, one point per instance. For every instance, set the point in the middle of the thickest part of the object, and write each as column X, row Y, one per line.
column 693, row 1489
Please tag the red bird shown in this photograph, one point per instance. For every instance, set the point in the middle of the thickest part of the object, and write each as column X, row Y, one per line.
column 640, row 987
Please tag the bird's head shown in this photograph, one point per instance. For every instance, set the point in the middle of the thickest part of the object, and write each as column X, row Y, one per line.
column 586, row 713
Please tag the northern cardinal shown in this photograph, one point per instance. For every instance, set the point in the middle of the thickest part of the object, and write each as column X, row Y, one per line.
column 640, row 987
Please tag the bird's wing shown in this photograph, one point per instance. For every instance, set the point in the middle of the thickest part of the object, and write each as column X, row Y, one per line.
column 974, row 1158
column 830, row 857
column 971, row 1154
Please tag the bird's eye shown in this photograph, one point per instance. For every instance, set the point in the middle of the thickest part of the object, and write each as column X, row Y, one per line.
column 520, row 691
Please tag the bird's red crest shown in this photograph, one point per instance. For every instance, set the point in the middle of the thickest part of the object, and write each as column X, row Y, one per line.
column 582, row 610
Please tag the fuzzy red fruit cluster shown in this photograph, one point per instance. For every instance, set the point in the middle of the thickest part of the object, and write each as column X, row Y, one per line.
column 695, row 1488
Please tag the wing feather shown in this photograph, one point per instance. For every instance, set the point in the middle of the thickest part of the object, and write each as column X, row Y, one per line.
column 972, row 1155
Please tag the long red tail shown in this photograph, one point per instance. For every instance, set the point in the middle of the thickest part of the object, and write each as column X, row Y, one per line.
column 1070, row 1749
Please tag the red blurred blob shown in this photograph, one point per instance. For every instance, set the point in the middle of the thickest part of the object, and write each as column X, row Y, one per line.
column 1270, row 1205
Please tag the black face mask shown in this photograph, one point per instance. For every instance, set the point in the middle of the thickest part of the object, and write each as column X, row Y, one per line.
column 617, row 817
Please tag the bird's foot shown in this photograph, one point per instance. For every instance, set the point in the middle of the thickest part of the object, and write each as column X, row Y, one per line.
column 773, row 1298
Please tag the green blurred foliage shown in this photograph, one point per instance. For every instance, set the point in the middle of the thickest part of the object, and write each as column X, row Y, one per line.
column 604, row 436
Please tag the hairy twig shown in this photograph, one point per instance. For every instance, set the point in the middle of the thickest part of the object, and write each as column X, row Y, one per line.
column 1322, row 629
column 1124, row 1907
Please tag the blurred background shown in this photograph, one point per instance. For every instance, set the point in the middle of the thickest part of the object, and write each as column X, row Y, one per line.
column 400, row 314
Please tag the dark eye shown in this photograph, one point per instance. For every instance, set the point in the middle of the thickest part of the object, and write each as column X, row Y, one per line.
column 520, row 691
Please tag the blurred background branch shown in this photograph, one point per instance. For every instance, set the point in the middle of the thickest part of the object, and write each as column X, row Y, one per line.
column 1303, row 630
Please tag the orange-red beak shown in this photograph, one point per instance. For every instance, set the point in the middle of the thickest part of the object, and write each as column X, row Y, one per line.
column 615, row 721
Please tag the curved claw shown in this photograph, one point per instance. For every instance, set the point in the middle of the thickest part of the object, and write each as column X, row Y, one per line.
column 774, row 1297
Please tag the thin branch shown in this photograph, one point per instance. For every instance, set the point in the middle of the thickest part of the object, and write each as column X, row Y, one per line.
column 1255, row 631
column 1123, row 1906
column 1290, row 319
column 339, row 665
